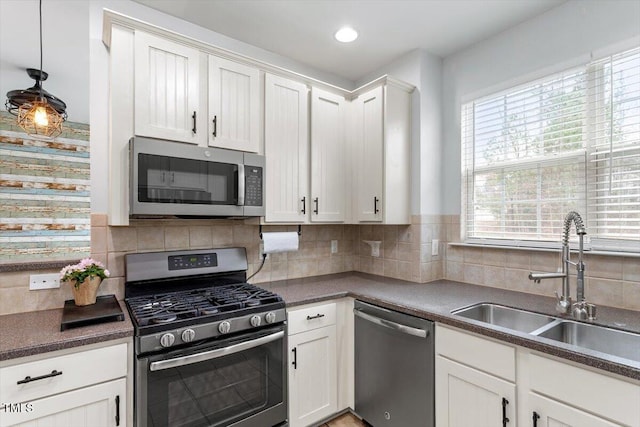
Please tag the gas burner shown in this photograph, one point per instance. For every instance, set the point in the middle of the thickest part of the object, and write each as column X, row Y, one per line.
column 159, row 320
column 252, row 303
column 156, row 305
column 209, row 310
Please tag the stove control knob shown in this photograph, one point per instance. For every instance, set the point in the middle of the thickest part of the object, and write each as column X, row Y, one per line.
column 255, row 321
column 167, row 340
column 270, row 317
column 224, row 327
column 188, row 335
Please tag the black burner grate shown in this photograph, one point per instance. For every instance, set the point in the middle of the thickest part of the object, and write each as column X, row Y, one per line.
column 211, row 301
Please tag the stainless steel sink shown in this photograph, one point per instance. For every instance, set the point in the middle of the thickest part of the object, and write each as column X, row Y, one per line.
column 507, row 317
column 598, row 338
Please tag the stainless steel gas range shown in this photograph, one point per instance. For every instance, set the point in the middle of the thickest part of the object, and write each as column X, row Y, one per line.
column 210, row 349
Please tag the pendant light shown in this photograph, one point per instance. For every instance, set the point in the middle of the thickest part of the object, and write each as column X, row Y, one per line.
column 38, row 112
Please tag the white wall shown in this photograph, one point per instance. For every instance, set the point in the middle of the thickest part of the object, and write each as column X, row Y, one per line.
column 562, row 37
column 424, row 71
column 65, row 25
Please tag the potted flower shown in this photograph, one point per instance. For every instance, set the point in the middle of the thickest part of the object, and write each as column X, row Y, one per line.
column 84, row 278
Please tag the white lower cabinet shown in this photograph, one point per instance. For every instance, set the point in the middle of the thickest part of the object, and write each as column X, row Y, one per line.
column 469, row 391
column 320, row 361
column 102, row 405
column 470, row 397
column 476, row 376
column 565, row 394
column 546, row 412
column 313, row 376
column 85, row 387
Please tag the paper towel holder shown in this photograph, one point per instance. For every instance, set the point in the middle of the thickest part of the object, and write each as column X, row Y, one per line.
column 299, row 230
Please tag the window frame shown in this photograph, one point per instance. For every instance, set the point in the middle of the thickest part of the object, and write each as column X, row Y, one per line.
column 594, row 79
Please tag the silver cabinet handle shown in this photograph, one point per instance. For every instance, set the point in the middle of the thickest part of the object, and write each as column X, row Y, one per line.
column 214, row 354
column 391, row 325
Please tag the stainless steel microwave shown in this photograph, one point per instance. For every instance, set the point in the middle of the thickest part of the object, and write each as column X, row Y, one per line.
column 174, row 179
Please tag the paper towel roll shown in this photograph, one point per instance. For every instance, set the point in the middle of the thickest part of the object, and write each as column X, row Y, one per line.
column 280, row 242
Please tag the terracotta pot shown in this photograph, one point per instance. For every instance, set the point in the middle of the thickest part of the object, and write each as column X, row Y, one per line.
column 86, row 292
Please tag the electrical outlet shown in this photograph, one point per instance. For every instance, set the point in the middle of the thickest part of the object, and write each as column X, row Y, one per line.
column 434, row 247
column 334, row 246
column 375, row 250
column 44, row 281
column 262, row 252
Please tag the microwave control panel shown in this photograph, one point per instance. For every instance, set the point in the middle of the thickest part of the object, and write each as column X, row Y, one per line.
column 253, row 186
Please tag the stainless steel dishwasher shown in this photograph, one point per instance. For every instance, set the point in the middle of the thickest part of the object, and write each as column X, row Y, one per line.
column 394, row 368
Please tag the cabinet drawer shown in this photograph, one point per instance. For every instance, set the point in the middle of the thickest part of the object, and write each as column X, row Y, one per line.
column 77, row 370
column 594, row 392
column 476, row 351
column 309, row 318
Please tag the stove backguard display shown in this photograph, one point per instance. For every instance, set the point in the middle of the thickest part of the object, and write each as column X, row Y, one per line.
column 183, row 262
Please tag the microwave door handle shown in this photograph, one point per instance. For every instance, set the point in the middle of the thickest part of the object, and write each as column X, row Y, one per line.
column 240, row 185
column 214, row 354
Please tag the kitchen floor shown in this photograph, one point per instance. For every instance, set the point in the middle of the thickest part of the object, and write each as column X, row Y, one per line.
column 345, row 420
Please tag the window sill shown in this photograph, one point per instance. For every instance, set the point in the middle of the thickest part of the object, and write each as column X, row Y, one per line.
column 555, row 250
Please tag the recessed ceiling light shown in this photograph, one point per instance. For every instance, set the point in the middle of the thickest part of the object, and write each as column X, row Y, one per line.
column 346, row 35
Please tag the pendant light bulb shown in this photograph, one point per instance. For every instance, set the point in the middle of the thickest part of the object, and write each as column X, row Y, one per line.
column 40, row 116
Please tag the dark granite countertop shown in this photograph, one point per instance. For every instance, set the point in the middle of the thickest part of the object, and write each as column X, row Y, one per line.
column 31, row 333
column 35, row 332
column 436, row 300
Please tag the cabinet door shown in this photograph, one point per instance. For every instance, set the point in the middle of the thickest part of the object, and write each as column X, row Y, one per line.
column 313, row 387
column 468, row 397
column 328, row 157
column 286, row 146
column 102, row 405
column 234, row 105
column 551, row 413
column 368, row 155
column 166, row 89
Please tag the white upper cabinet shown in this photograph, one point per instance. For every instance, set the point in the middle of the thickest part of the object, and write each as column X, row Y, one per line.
column 328, row 157
column 367, row 154
column 381, row 138
column 234, row 105
column 286, row 145
column 166, row 89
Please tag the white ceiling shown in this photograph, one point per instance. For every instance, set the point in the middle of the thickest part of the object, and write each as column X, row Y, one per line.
column 303, row 29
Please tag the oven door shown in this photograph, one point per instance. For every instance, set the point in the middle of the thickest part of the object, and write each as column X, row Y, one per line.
column 168, row 178
column 240, row 381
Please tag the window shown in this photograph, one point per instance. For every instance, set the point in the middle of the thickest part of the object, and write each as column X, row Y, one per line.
column 570, row 141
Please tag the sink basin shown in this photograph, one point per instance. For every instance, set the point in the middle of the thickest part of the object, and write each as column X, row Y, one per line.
column 598, row 338
column 507, row 317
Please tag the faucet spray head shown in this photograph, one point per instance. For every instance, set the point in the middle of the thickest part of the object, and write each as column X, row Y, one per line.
column 580, row 229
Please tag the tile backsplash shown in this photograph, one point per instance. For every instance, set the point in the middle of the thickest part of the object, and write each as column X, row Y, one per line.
column 406, row 252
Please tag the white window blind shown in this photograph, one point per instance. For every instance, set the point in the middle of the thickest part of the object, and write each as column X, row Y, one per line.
column 614, row 152
column 570, row 141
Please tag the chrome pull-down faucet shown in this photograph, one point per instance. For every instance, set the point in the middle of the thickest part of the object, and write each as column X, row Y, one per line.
column 580, row 309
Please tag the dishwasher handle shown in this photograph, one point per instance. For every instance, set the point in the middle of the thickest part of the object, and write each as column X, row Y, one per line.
column 416, row 332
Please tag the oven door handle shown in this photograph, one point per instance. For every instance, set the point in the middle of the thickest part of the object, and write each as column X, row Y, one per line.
column 213, row 354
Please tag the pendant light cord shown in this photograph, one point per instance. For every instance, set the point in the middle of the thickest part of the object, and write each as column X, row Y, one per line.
column 41, row 36
column 41, row 48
